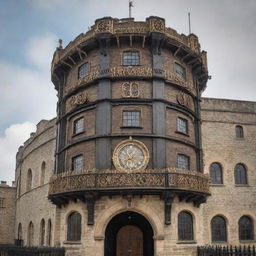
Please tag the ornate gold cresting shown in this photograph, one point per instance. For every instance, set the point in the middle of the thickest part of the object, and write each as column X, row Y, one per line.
column 130, row 90
column 171, row 178
column 104, row 26
column 130, row 155
column 156, row 24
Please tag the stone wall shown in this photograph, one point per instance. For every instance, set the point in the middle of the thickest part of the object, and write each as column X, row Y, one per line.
column 7, row 213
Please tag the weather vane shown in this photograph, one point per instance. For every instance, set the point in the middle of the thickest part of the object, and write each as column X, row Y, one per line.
column 130, row 8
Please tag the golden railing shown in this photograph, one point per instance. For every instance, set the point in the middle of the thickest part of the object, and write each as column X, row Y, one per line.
column 112, row 179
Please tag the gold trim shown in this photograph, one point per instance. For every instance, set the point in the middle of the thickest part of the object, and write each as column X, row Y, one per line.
column 135, row 143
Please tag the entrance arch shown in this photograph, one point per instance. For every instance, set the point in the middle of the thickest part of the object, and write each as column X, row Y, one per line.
column 129, row 234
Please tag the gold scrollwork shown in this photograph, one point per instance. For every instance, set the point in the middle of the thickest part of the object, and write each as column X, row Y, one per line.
column 130, row 90
column 157, row 25
column 105, row 25
column 79, row 99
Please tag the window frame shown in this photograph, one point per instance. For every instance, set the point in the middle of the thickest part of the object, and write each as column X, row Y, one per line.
column 188, row 161
column 130, row 51
column 221, row 173
column 221, row 228
column 74, row 230
column 185, row 233
column 74, row 125
column 79, row 69
column 177, row 125
column 239, row 132
column 131, row 111
column 73, row 162
column 176, row 64
column 239, row 179
column 249, row 229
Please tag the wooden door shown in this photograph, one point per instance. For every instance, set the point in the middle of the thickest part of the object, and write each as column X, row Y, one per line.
column 129, row 241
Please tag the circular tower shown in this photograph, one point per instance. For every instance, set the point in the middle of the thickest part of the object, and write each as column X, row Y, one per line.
column 128, row 155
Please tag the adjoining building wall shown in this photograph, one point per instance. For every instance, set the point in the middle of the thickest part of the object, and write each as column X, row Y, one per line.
column 220, row 144
column 32, row 205
column 7, row 213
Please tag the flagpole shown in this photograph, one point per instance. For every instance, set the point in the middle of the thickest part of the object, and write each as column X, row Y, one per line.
column 189, row 26
column 130, row 9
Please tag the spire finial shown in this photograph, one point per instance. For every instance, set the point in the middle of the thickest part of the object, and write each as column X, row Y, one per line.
column 130, row 8
column 60, row 44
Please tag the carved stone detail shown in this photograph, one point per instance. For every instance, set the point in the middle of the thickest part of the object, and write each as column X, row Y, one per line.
column 79, row 99
column 157, row 25
column 104, row 26
column 185, row 100
column 130, row 90
column 193, row 43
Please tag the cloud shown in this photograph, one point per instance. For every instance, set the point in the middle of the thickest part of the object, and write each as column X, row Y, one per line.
column 13, row 137
column 40, row 50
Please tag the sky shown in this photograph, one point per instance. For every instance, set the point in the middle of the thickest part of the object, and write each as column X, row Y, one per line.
column 29, row 33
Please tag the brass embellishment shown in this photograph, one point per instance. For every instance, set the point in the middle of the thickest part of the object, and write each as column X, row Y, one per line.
column 105, row 25
column 185, row 100
column 171, row 178
column 130, row 90
column 79, row 99
column 157, row 25
column 130, row 155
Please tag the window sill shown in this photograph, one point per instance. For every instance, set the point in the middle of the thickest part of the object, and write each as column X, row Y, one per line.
column 186, row 242
column 139, row 65
column 217, row 185
column 77, row 134
column 247, row 241
column 182, row 133
column 242, row 185
column 219, row 242
column 72, row 242
column 131, row 127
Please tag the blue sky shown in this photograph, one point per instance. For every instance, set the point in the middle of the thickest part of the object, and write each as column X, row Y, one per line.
column 29, row 33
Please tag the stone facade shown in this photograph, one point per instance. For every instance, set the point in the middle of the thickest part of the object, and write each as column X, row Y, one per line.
column 50, row 190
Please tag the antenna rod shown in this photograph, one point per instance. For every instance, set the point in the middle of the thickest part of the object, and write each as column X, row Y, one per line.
column 189, row 26
column 130, row 8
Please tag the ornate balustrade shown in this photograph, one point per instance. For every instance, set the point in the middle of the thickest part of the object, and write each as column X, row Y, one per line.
column 99, row 180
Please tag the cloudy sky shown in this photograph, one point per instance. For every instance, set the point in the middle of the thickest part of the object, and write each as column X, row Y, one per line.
column 29, row 33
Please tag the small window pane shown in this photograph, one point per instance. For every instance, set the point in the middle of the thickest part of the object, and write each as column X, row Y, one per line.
column 83, row 70
column 219, row 229
column 180, row 71
column 182, row 125
column 79, row 126
column 240, row 174
column 183, row 162
column 239, row 131
column 185, row 226
column 78, row 163
column 245, row 228
column 74, row 227
column 131, row 58
column 216, row 173
column 131, row 118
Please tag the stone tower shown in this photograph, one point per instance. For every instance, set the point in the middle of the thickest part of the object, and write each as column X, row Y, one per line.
column 129, row 169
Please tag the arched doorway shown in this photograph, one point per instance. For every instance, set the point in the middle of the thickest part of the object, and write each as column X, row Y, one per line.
column 129, row 234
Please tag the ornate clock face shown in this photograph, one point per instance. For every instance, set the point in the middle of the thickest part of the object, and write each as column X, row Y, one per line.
column 130, row 155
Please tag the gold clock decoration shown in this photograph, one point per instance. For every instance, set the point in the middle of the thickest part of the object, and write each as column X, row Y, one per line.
column 130, row 155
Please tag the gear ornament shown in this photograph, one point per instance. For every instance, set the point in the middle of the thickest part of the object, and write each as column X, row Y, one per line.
column 130, row 155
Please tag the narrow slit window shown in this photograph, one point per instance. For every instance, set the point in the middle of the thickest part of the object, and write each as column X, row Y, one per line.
column 183, row 162
column 78, row 163
column 83, row 70
column 78, row 126
column 180, row 71
column 182, row 125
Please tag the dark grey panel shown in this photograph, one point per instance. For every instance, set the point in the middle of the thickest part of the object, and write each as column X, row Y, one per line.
column 103, row 118
column 104, row 61
column 158, row 89
column 157, row 61
column 159, row 118
column 104, row 89
column 159, row 153
column 103, row 153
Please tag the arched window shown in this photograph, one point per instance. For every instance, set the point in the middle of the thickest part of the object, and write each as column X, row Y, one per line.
column 42, row 232
column 29, row 179
column 42, row 173
column 74, row 227
column 239, row 131
column 19, row 231
column 131, row 58
column 185, row 226
column 30, row 240
column 240, row 174
column 216, row 173
column 219, row 229
column 245, row 228
column 49, row 233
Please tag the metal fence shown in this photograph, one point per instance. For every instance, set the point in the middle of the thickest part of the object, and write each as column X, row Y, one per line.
column 226, row 250
column 13, row 250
